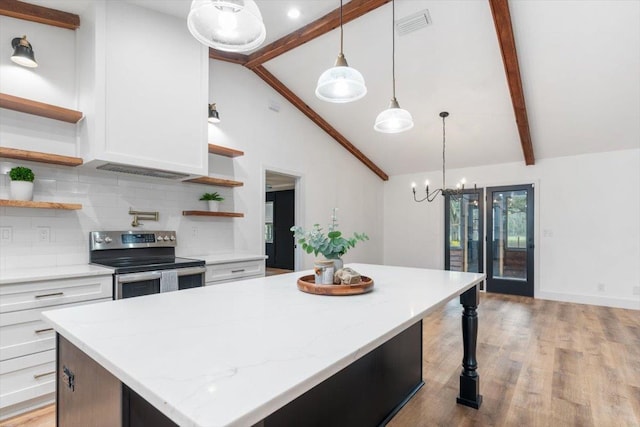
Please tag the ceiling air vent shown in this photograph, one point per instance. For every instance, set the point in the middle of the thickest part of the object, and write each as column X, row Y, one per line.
column 413, row 22
column 137, row 170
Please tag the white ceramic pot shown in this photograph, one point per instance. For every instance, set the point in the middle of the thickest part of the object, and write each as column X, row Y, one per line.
column 337, row 263
column 213, row 205
column 21, row 190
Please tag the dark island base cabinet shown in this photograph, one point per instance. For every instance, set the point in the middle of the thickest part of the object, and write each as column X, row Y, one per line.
column 368, row 392
column 88, row 395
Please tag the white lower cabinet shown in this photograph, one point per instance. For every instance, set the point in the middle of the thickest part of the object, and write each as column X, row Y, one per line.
column 27, row 343
column 231, row 271
column 27, row 377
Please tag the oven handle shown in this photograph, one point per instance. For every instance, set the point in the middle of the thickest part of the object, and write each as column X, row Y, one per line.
column 153, row 275
column 138, row 277
column 191, row 270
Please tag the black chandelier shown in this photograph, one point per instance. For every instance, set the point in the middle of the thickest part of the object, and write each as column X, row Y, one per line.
column 444, row 191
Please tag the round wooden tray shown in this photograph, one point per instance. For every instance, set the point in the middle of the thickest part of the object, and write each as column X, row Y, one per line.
column 307, row 284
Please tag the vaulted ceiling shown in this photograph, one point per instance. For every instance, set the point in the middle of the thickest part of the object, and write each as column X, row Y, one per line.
column 579, row 66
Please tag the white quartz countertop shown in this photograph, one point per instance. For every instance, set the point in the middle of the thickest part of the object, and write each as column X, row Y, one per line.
column 228, row 257
column 231, row 354
column 34, row 274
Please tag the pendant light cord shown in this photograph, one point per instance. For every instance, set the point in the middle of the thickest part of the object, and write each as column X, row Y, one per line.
column 444, row 185
column 393, row 47
column 341, row 37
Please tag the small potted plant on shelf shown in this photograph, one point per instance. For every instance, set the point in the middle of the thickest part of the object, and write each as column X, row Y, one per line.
column 332, row 245
column 213, row 199
column 21, row 186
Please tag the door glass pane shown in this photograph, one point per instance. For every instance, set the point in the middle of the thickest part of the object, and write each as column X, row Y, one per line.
column 464, row 233
column 509, row 234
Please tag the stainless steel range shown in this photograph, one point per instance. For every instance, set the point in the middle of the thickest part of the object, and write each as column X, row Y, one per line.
column 144, row 262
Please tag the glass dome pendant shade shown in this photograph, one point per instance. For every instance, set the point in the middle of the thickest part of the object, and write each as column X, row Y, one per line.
column 227, row 25
column 341, row 83
column 394, row 119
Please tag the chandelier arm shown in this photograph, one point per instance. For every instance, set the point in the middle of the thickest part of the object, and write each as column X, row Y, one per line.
column 434, row 195
column 429, row 197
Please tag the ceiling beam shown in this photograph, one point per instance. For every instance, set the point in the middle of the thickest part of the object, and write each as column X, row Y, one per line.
column 233, row 57
column 40, row 14
column 504, row 31
column 352, row 10
column 276, row 84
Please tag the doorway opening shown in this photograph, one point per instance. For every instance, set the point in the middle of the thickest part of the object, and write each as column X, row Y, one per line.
column 279, row 217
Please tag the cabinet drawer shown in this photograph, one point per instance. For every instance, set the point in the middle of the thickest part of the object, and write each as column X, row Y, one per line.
column 24, row 296
column 234, row 270
column 24, row 332
column 27, row 377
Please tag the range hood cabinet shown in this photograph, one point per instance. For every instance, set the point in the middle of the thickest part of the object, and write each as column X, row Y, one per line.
column 143, row 85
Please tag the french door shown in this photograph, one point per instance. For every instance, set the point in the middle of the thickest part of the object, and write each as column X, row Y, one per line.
column 464, row 232
column 510, row 247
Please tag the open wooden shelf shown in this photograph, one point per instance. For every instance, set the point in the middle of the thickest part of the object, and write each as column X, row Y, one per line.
column 224, row 151
column 207, row 180
column 40, row 14
column 36, row 156
column 41, row 109
column 209, row 213
column 40, row 205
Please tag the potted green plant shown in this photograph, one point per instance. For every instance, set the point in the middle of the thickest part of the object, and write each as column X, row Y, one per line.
column 332, row 245
column 21, row 186
column 213, row 199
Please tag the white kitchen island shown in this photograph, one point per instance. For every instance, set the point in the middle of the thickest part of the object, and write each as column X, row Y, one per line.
column 236, row 353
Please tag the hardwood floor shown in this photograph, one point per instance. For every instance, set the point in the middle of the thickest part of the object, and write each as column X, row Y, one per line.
column 270, row 271
column 43, row 417
column 541, row 363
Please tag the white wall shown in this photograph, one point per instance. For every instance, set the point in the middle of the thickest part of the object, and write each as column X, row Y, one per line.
column 587, row 225
column 52, row 82
column 287, row 141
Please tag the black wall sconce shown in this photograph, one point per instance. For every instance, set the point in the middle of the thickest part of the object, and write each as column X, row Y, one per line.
column 23, row 52
column 214, row 116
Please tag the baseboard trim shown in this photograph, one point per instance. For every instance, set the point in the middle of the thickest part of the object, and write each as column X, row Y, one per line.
column 591, row 300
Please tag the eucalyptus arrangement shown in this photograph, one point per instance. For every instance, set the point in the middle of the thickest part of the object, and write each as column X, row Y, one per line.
column 332, row 245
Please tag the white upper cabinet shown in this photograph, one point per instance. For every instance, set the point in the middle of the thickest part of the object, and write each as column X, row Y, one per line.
column 144, row 86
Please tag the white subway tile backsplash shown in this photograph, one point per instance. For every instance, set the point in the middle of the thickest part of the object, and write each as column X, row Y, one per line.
column 74, row 187
column 106, row 198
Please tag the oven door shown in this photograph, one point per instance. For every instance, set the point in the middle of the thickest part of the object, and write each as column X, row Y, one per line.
column 148, row 282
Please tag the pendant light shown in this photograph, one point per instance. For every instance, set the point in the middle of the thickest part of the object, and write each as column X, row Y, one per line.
column 341, row 83
column 23, row 52
column 228, row 25
column 394, row 119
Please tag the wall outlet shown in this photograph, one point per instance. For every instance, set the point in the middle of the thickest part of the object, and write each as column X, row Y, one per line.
column 44, row 234
column 636, row 290
column 6, row 234
column 601, row 287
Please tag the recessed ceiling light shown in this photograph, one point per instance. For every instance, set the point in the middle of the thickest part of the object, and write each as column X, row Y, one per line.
column 293, row 13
